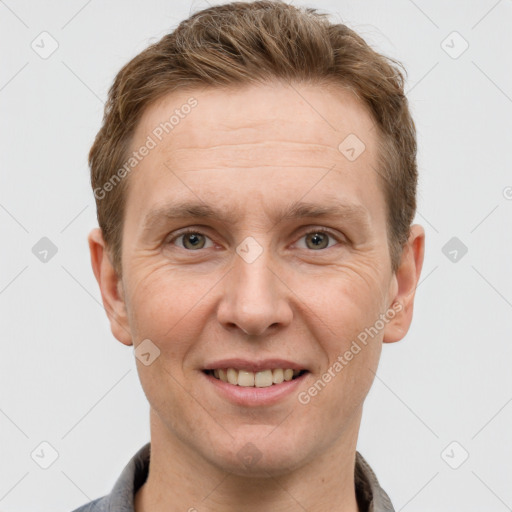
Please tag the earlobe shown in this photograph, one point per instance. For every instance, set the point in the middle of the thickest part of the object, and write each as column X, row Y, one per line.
column 406, row 280
column 111, row 287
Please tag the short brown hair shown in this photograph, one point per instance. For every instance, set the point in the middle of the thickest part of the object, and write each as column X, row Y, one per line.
column 243, row 43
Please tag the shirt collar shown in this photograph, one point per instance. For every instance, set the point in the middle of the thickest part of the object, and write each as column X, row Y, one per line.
column 369, row 492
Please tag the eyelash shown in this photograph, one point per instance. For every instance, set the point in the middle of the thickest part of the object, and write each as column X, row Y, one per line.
column 188, row 231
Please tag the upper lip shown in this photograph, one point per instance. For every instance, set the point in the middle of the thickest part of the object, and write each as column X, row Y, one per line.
column 253, row 366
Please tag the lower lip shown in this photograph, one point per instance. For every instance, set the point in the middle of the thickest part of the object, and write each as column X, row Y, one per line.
column 253, row 396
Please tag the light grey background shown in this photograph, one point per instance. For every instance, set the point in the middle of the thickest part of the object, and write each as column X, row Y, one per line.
column 66, row 380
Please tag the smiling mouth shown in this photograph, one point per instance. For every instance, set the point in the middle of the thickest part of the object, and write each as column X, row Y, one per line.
column 261, row 379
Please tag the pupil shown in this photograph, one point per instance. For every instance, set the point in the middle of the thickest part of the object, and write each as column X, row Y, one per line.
column 193, row 239
column 317, row 239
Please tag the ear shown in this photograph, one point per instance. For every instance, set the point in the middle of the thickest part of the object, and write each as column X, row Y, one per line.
column 111, row 287
column 405, row 282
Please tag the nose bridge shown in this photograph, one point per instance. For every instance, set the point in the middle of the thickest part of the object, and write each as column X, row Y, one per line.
column 253, row 299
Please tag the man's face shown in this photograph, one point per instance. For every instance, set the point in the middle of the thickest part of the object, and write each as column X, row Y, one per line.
column 249, row 288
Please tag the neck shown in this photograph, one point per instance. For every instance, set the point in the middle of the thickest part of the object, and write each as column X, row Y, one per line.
column 181, row 480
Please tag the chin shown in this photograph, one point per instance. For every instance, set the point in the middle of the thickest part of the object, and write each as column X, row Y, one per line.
column 261, row 455
column 265, row 465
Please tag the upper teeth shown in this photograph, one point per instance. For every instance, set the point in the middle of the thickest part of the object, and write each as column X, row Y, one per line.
column 260, row 379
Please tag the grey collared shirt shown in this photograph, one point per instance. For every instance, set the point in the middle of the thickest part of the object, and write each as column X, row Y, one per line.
column 370, row 496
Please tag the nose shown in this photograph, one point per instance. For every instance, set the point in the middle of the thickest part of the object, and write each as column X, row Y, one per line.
column 255, row 298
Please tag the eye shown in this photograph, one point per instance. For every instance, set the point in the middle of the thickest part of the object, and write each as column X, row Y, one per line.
column 191, row 240
column 319, row 239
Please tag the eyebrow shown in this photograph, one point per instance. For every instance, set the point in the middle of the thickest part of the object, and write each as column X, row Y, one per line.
column 297, row 210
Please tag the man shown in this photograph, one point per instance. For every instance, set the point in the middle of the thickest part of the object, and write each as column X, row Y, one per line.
column 255, row 179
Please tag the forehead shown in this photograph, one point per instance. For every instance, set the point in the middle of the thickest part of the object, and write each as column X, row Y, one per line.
column 232, row 139
column 307, row 114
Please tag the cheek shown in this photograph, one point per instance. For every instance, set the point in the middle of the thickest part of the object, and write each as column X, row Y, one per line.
column 343, row 318
column 341, row 302
column 338, row 390
column 166, row 307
